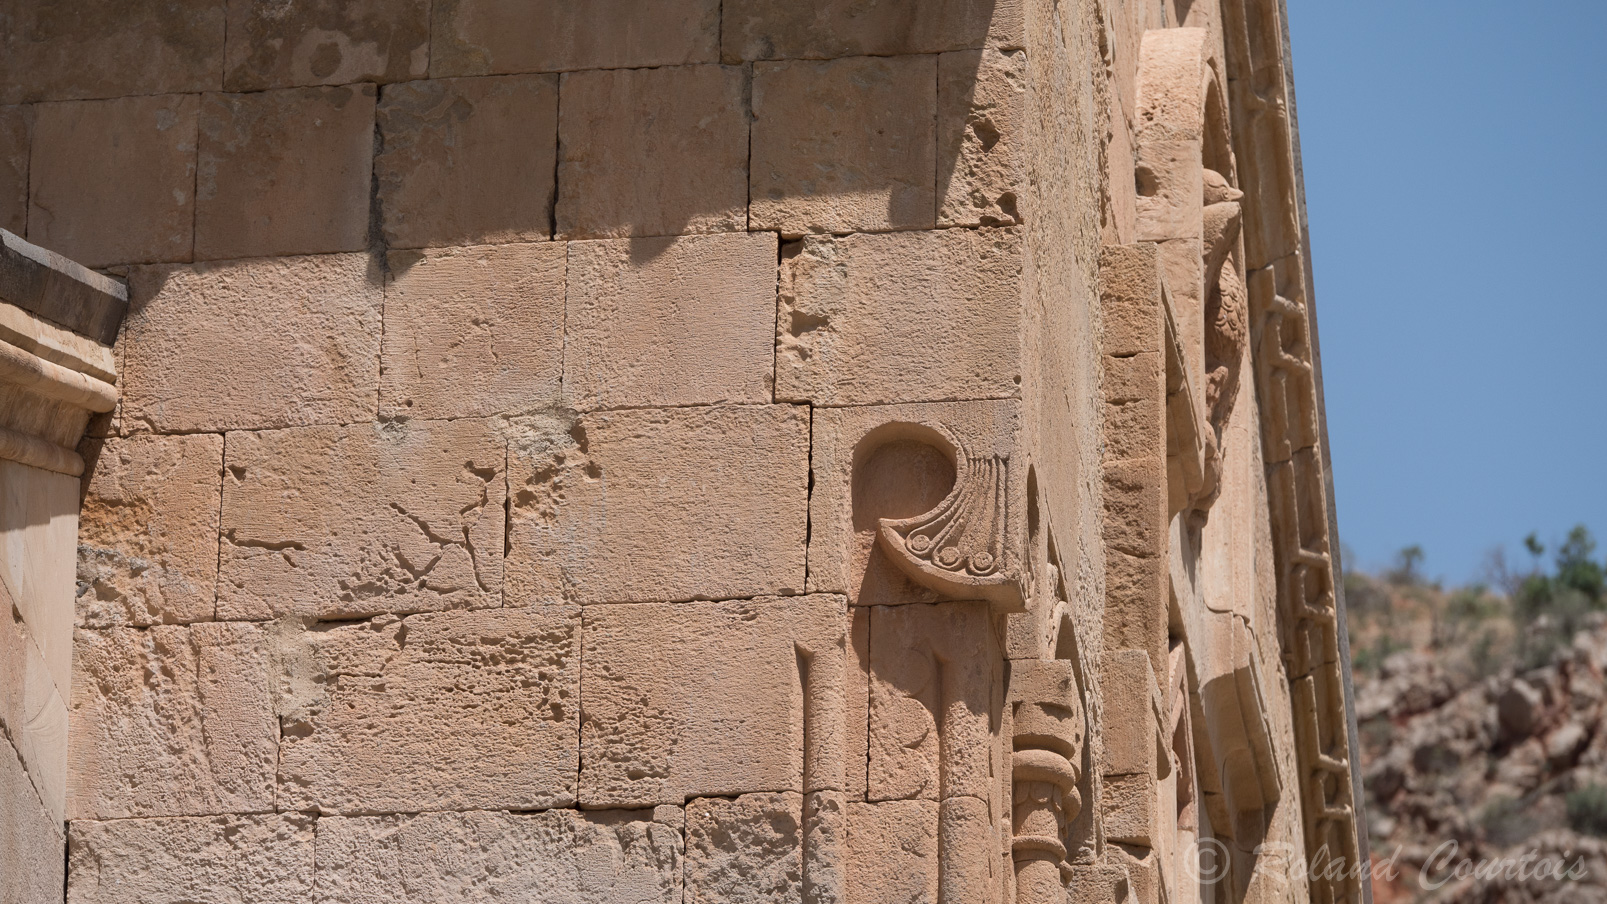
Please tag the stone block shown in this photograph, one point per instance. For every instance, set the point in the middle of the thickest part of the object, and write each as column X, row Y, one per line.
column 1136, row 377
column 148, row 530
column 1134, row 316
column 485, row 37
column 1134, row 429
column 900, row 317
column 33, row 714
column 1135, row 520
column 892, row 852
column 346, row 522
column 318, row 364
column 31, row 843
column 745, row 850
column 172, row 721
column 473, row 331
column 16, row 143
column 467, row 160
column 682, row 700
column 981, row 124
column 1131, row 805
column 658, row 504
column 110, row 48
column 846, row 145
column 935, row 687
column 325, row 42
column 653, row 152
column 261, row 859
column 38, row 536
column 1136, row 604
column 773, row 29
column 284, row 172
column 1128, row 689
column 671, row 321
column 445, row 711
column 113, row 181
column 598, row 857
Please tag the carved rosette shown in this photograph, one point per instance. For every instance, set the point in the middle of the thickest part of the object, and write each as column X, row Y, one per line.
column 1046, row 768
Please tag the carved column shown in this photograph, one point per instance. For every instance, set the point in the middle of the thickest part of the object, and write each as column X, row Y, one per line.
column 1046, row 767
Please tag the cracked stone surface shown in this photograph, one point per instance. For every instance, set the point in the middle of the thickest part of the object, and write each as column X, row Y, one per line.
column 264, row 859
column 348, row 522
column 452, row 710
column 748, row 850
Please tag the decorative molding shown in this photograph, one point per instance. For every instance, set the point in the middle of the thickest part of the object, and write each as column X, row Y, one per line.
column 1049, row 728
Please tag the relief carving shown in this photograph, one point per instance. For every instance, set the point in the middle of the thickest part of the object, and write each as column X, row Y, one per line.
column 1046, row 767
column 1227, row 320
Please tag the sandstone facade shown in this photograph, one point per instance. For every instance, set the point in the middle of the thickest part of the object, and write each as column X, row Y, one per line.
column 665, row 450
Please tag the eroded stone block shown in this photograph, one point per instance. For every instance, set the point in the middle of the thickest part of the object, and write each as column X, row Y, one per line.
column 773, row 29
column 325, row 42
column 172, row 721
column 981, row 122
column 352, row 521
column 484, row 37
column 16, row 140
column 746, row 850
column 110, row 48
column 284, row 172
column 148, row 530
column 671, row 321
column 467, row 161
column 1128, row 688
column 689, row 699
column 31, row 841
column 893, row 854
column 599, row 857
column 113, row 181
column 900, row 317
column 658, row 504
column 456, row 710
column 653, row 152
column 318, row 364
column 845, row 145
column 265, row 859
column 473, row 331
column 1132, row 809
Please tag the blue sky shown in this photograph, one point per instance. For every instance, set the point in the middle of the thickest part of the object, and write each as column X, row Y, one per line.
column 1454, row 161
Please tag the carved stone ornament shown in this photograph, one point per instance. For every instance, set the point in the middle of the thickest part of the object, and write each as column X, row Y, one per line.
column 1046, row 767
column 958, row 548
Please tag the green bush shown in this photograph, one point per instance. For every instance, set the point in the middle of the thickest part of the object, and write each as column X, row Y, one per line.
column 1587, row 810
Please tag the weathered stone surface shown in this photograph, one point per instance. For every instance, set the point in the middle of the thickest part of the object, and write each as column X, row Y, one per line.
column 653, row 152
column 353, row 521
column 659, row 504
column 600, row 857
column 903, row 317
column 284, row 172
column 467, row 160
column 38, row 524
column 113, row 181
column 456, row 710
column 31, row 842
column 746, row 850
column 266, row 859
column 773, row 29
column 172, row 721
column 33, row 714
column 110, row 48
column 1132, row 809
column 148, row 530
column 892, row 852
column 318, row 364
column 844, row 146
column 981, row 163
column 1128, row 689
column 671, row 321
column 484, row 37
column 682, row 700
column 325, row 42
column 1135, row 506
column 16, row 142
column 473, row 331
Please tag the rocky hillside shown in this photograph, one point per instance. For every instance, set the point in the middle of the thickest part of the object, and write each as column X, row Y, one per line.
column 1483, row 718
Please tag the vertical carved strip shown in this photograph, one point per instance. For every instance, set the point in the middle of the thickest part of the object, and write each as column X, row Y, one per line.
column 1046, row 767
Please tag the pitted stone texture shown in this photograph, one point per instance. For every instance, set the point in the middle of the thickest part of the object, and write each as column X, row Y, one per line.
column 981, row 166
column 671, row 321
column 473, row 331
column 172, row 721
column 33, row 715
column 16, row 142
column 745, row 851
column 485, row 37
column 319, row 363
column 606, row 857
column 113, row 181
column 467, row 160
column 658, row 504
column 446, row 711
column 892, row 852
column 325, row 42
column 346, row 522
column 689, row 699
column 110, row 48
column 844, row 146
column 266, row 859
column 902, row 317
column 148, row 530
column 776, row 29
column 31, row 843
column 284, row 172
column 653, row 152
